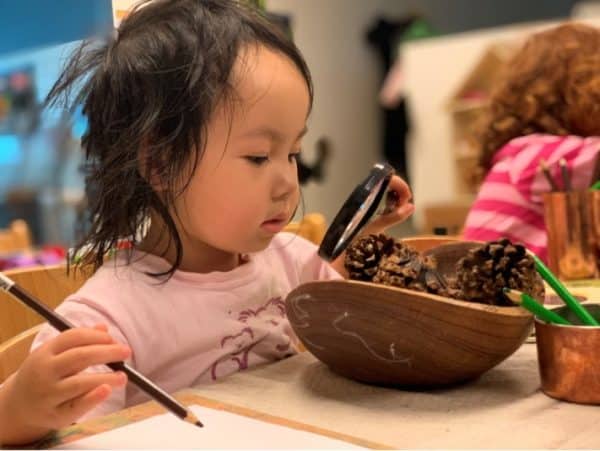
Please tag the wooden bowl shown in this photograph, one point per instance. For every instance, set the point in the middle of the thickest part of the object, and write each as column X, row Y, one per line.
column 391, row 336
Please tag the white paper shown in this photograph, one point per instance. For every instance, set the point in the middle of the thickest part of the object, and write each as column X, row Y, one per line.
column 221, row 430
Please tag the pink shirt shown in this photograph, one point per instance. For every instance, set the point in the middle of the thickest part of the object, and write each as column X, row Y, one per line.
column 195, row 328
column 509, row 203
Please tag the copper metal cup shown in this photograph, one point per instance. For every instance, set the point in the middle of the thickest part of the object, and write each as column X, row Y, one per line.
column 593, row 203
column 568, row 357
column 569, row 222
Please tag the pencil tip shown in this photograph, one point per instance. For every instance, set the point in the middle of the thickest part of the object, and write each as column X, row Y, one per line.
column 199, row 424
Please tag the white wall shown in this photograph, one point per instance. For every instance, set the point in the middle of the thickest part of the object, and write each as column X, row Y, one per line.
column 347, row 75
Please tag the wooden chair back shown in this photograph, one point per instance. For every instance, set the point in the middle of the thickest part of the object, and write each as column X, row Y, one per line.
column 14, row 351
column 50, row 284
column 17, row 237
column 312, row 227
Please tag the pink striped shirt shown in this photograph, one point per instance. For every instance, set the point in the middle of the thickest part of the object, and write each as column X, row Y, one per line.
column 509, row 202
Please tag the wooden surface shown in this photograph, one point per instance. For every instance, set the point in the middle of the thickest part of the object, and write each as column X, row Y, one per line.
column 504, row 408
column 14, row 351
column 588, row 289
column 424, row 243
column 188, row 397
column 50, row 284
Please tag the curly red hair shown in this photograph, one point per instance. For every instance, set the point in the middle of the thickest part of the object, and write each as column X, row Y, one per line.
column 552, row 85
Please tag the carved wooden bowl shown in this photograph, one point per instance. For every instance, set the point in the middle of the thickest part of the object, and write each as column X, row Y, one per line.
column 392, row 336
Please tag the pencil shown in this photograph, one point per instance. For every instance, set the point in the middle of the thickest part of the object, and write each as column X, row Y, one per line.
column 564, row 170
column 528, row 303
column 564, row 294
column 546, row 171
column 596, row 172
column 62, row 324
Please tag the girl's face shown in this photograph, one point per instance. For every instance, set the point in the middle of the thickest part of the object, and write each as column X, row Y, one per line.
column 245, row 187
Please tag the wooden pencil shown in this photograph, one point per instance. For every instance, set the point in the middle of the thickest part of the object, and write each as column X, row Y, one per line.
column 596, row 172
column 546, row 171
column 61, row 324
column 564, row 170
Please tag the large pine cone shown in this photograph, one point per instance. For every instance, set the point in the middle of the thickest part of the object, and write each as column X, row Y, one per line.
column 485, row 271
column 363, row 257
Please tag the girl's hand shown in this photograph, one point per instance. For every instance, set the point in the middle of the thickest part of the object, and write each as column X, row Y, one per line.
column 398, row 212
column 51, row 391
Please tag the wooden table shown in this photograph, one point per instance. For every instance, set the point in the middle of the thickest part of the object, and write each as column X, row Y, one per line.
column 502, row 409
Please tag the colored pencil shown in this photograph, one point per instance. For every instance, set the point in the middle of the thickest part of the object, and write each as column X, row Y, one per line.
column 530, row 304
column 564, row 294
column 62, row 324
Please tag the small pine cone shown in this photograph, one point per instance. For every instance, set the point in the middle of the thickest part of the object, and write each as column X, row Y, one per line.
column 451, row 291
column 406, row 268
column 485, row 271
column 363, row 257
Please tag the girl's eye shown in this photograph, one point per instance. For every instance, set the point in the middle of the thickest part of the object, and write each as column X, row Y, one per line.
column 257, row 160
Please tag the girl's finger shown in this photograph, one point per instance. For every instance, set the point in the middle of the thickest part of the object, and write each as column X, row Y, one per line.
column 102, row 327
column 380, row 223
column 75, row 408
column 78, row 359
column 401, row 188
column 78, row 385
column 80, row 336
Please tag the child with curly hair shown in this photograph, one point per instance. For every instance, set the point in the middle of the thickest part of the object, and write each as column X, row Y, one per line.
column 546, row 108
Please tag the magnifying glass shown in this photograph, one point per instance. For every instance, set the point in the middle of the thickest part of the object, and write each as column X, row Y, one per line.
column 356, row 211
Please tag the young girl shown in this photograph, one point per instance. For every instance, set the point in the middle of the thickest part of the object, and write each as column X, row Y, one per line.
column 196, row 113
column 546, row 108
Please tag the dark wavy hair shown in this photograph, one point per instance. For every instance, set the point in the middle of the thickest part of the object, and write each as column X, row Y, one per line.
column 153, row 86
column 552, row 85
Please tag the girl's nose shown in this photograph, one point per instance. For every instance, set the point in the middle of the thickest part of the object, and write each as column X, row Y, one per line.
column 286, row 182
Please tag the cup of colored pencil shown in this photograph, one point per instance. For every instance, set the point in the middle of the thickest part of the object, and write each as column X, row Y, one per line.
column 571, row 226
column 567, row 340
column 572, row 220
column 568, row 356
column 567, row 350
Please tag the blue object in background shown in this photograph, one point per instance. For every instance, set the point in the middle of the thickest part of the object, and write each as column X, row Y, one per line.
column 26, row 24
column 10, row 151
column 80, row 123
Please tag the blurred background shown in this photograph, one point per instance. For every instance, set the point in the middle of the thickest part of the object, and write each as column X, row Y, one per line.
column 395, row 80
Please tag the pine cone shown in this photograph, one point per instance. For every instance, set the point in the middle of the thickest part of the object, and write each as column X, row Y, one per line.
column 363, row 257
column 485, row 271
column 406, row 268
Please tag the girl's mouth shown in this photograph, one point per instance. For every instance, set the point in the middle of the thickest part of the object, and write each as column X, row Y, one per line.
column 274, row 225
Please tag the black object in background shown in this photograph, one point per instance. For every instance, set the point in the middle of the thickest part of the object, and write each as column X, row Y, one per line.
column 316, row 171
column 384, row 36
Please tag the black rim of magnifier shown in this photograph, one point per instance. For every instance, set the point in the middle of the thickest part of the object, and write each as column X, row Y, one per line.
column 331, row 247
